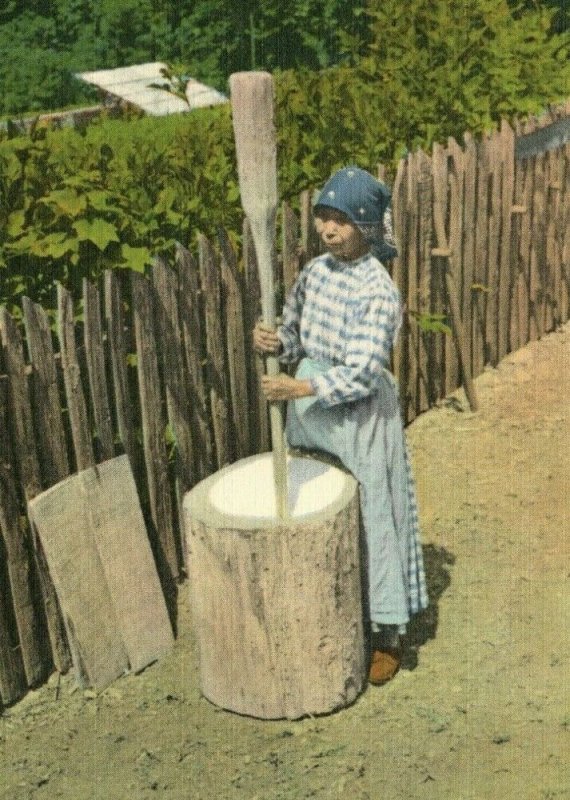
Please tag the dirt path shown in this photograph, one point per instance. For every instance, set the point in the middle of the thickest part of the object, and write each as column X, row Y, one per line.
column 481, row 709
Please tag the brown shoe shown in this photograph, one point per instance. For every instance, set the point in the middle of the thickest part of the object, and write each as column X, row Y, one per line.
column 384, row 665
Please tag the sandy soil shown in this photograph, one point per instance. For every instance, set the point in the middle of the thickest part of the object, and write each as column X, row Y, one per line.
column 481, row 709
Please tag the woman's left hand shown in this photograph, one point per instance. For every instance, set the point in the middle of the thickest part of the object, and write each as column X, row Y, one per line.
column 283, row 387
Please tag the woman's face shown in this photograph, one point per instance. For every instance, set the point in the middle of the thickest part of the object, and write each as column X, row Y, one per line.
column 339, row 235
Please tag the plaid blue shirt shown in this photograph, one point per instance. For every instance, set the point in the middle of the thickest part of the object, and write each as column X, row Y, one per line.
column 346, row 314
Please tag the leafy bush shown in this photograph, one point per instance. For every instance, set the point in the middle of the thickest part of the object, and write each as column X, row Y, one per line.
column 73, row 203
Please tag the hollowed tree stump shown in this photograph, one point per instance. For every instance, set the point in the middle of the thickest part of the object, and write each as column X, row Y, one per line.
column 277, row 605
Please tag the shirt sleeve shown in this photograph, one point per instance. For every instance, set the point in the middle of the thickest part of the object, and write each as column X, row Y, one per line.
column 372, row 335
column 289, row 330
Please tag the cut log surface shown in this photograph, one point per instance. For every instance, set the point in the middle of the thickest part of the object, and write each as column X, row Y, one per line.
column 277, row 605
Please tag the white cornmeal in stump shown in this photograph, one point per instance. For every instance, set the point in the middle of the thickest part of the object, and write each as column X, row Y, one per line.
column 277, row 604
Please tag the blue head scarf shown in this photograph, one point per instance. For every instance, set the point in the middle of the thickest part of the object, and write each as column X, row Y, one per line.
column 364, row 200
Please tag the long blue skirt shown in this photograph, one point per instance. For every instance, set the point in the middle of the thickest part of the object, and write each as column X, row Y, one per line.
column 368, row 437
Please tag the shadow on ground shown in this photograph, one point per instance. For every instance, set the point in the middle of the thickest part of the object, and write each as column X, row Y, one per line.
column 423, row 627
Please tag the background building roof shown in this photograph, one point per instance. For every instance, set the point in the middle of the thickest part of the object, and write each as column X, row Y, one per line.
column 134, row 85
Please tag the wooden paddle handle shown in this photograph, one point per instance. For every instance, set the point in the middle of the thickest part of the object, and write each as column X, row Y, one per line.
column 256, row 151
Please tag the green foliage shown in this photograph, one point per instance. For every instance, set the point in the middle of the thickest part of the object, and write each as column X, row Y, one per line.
column 42, row 44
column 73, row 203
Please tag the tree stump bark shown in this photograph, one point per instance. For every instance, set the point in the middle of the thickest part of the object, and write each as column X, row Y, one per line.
column 277, row 605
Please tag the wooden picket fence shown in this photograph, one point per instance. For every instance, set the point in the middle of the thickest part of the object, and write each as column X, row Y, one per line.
column 161, row 366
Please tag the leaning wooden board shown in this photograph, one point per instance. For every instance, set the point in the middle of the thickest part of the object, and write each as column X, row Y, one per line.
column 93, row 533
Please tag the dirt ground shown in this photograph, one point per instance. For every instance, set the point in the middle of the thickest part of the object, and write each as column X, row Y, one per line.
column 480, row 710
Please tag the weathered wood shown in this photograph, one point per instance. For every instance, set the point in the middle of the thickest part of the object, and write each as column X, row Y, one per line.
column 449, row 266
column 259, row 413
column 118, row 352
column 481, row 290
column 216, row 367
column 455, row 241
column 20, row 406
column 425, row 340
column 13, row 682
column 290, row 246
column 507, row 145
column 515, row 321
column 287, row 639
column 26, row 460
column 550, row 244
column 233, row 287
column 178, row 401
column 95, row 540
column 469, row 254
column 525, row 306
column 440, row 212
column 555, row 233
column 494, row 229
column 412, row 289
column 95, row 357
column 398, row 212
column 35, row 657
column 153, row 425
column 193, row 339
column 76, row 405
column 563, row 233
column 537, row 250
column 457, row 328
column 46, row 400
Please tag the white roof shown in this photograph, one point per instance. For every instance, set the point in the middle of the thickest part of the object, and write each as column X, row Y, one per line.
column 133, row 84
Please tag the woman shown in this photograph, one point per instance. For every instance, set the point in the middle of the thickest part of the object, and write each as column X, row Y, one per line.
column 340, row 321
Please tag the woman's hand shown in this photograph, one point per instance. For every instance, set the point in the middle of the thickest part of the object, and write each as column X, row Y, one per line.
column 283, row 387
column 265, row 340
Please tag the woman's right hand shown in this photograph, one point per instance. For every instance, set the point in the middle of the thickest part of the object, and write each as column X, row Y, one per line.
column 265, row 340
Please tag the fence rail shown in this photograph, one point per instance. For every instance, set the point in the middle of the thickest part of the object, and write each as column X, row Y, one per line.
column 161, row 367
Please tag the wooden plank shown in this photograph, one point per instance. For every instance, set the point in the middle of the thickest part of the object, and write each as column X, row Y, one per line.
column 20, row 406
column 76, row 405
column 27, row 464
column 507, row 144
column 525, row 307
column 153, row 428
column 494, row 228
column 13, row 682
column 259, row 415
column 106, row 582
column 125, row 411
column 216, row 367
column 413, row 351
column 469, row 253
column 178, row 399
column 455, row 241
column 46, row 400
column 538, row 250
column 193, row 341
column 95, row 358
column 481, row 248
column 449, row 267
column 425, row 340
column 33, row 651
column 440, row 212
column 553, row 191
column 398, row 274
column 517, row 273
column 290, row 246
column 564, row 233
column 233, row 287
column 96, row 543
